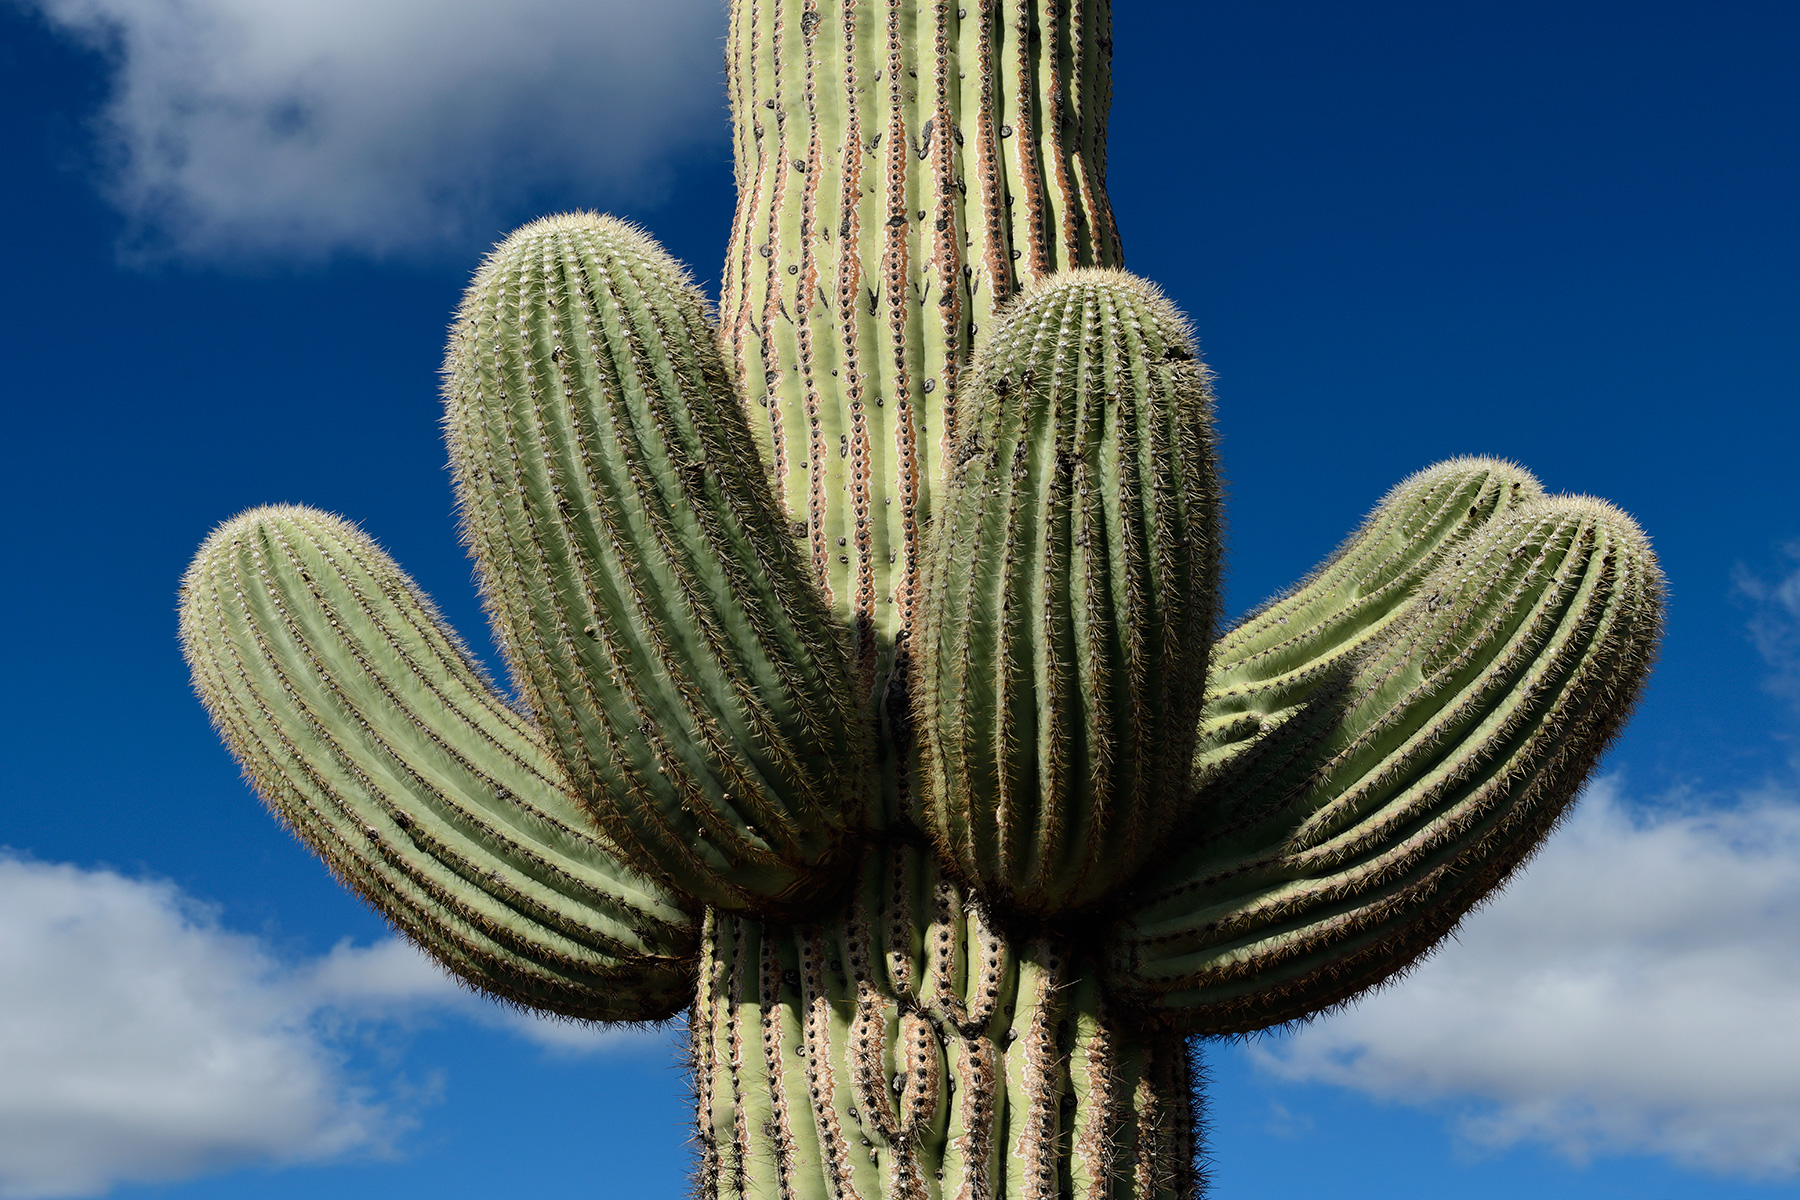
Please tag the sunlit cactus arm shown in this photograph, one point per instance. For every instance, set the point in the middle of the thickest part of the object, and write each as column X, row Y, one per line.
column 1062, row 654
column 652, row 602
column 1278, row 677
column 903, row 169
column 1465, row 734
column 368, row 729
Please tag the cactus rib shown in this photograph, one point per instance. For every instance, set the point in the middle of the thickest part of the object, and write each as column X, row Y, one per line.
column 908, row 1047
column 902, row 170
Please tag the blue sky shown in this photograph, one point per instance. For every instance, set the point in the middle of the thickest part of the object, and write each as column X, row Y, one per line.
column 1563, row 233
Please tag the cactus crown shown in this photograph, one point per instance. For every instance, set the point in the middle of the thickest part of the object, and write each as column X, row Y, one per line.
column 873, row 706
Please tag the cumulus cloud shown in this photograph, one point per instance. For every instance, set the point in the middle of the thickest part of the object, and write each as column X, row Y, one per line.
column 271, row 128
column 141, row 1041
column 1633, row 992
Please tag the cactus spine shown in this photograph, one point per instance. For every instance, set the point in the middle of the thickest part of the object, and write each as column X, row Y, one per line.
column 865, row 650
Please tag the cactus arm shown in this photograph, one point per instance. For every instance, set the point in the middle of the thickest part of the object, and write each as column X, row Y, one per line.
column 903, row 169
column 1277, row 679
column 661, row 622
column 1070, row 603
column 1470, row 728
column 368, row 729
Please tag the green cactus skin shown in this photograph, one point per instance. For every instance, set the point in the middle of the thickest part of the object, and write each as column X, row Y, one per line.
column 1464, row 735
column 372, row 734
column 874, row 795
column 658, row 617
column 1070, row 598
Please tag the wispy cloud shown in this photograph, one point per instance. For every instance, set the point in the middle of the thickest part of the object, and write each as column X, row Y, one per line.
column 1775, row 622
column 1633, row 992
column 141, row 1041
column 273, row 129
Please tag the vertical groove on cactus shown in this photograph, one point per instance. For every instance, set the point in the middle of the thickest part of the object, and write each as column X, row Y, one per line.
column 661, row 624
column 1470, row 728
column 368, row 729
column 1070, row 599
column 903, row 168
column 907, row 1048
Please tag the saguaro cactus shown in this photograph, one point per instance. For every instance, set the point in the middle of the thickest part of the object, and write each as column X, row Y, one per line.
column 865, row 651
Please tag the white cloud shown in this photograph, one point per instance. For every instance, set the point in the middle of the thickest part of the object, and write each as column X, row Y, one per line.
column 1635, row 991
column 268, row 127
column 1775, row 624
column 140, row 1041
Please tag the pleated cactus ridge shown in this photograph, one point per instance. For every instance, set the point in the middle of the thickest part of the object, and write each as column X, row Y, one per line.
column 870, row 705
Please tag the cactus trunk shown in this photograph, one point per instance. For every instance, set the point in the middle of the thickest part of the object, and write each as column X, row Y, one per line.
column 909, row 1048
column 904, row 167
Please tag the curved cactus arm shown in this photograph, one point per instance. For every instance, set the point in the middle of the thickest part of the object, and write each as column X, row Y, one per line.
column 1277, row 679
column 372, row 734
column 652, row 601
column 1469, row 729
column 1069, row 605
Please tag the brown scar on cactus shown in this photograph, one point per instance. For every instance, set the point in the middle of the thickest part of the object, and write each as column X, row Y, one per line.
column 871, row 789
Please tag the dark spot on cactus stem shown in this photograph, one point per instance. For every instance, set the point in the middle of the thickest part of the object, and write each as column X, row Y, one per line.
column 897, row 220
column 1006, row 131
column 766, row 250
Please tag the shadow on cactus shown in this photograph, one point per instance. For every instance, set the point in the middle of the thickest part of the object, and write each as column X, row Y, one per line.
column 871, row 703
